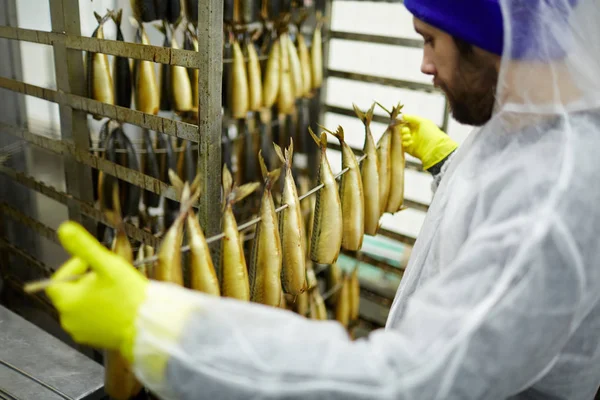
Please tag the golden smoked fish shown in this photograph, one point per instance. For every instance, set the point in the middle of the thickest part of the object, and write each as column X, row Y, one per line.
column 119, row 381
column 285, row 100
column 295, row 69
column 168, row 267
column 240, row 96
column 326, row 239
column 146, row 92
column 291, row 229
column 181, row 86
column 254, row 77
column 354, row 295
column 203, row 276
column 316, row 54
column 351, row 195
column 99, row 79
column 342, row 308
column 271, row 83
column 334, row 277
column 369, row 170
column 384, row 151
column 397, row 160
column 305, row 64
column 265, row 262
column 233, row 263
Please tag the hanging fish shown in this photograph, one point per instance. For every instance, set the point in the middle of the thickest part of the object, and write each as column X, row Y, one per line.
column 202, row 271
column 151, row 168
column 272, row 75
column 99, row 79
column 131, row 200
column 239, row 85
column 173, row 10
column 121, row 69
column 144, row 10
column 291, row 229
column 191, row 11
column 352, row 197
column 285, row 99
column 316, row 54
column 146, row 91
column 319, row 305
column 396, row 196
column 191, row 43
column 334, row 278
column 304, row 57
column 295, row 69
column 168, row 267
column 370, row 174
column 233, row 263
column 164, row 73
column 327, row 231
column 266, row 258
column 343, row 305
column 384, row 149
column 254, row 77
column 119, row 380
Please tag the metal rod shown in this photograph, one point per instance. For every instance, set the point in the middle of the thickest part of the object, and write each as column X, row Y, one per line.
column 167, row 126
column 137, row 51
column 399, row 83
column 210, row 55
column 361, row 37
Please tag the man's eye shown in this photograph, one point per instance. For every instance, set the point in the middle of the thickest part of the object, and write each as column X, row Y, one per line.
column 428, row 40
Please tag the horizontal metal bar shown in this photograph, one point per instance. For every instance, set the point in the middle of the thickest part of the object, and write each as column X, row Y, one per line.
column 133, row 232
column 399, row 83
column 26, row 220
column 170, row 127
column 363, row 257
column 397, row 236
column 145, row 182
column 361, row 37
column 137, row 51
column 25, row 256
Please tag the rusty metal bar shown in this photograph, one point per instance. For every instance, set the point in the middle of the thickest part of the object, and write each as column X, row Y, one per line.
column 138, row 51
column 25, row 255
column 398, row 83
column 361, row 37
column 89, row 210
column 145, row 182
column 31, row 223
column 170, row 127
column 210, row 56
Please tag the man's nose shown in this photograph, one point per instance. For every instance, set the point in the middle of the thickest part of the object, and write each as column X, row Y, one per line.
column 427, row 67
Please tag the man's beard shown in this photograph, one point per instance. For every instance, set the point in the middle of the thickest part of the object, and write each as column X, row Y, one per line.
column 472, row 97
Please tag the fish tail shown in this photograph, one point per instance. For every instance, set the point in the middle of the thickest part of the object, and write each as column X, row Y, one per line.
column 227, row 183
column 268, row 176
column 279, row 153
column 361, row 115
column 369, row 115
column 241, row 192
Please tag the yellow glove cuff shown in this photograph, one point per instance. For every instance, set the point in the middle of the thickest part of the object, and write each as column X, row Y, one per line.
column 440, row 151
column 160, row 322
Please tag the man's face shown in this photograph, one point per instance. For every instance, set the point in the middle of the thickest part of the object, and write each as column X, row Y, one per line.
column 468, row 77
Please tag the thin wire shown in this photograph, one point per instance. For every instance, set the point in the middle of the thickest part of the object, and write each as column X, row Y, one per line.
column 254, row 221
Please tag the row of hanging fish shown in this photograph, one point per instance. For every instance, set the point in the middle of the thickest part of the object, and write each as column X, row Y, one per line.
column 292, row 71
column 174, row 90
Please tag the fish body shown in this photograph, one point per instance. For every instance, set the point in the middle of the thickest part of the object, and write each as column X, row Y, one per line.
column 326, row 239
column 240, row 96
column 254, row 78
column 144, row 10
column 150, row 167
column 352, row 198
column 285, row 99
column 369, row 170
column 121, row 70
column 271, row 81
column 295, row 69
column 354, row 295
column 99, row 79
column 334, row 277
column 165, row 76
column 342, row 308
column 181, row 89
column 320, row 311
column 146, row 93
column 191, row 43
column 385, row 166
column 234, row 271
column 291, row 229
column 397, row 160
column 266, row 257
column 305, row 64
column 316, row 55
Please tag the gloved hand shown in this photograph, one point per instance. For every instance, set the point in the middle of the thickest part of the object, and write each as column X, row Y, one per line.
column 100, row 308
column 422, row 139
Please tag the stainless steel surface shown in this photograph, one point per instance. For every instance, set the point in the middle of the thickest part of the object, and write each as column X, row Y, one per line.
column 28, row 352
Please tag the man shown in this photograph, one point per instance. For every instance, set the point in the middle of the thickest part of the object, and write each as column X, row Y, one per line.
column 501, row 298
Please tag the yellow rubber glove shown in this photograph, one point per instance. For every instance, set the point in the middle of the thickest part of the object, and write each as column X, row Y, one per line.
column 424, row 140
column 99, row 309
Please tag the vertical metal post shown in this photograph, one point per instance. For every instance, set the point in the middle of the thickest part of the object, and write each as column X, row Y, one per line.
column 210, row 47
column 70, row 78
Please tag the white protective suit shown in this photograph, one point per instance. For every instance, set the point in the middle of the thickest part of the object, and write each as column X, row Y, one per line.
column 501, row 298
